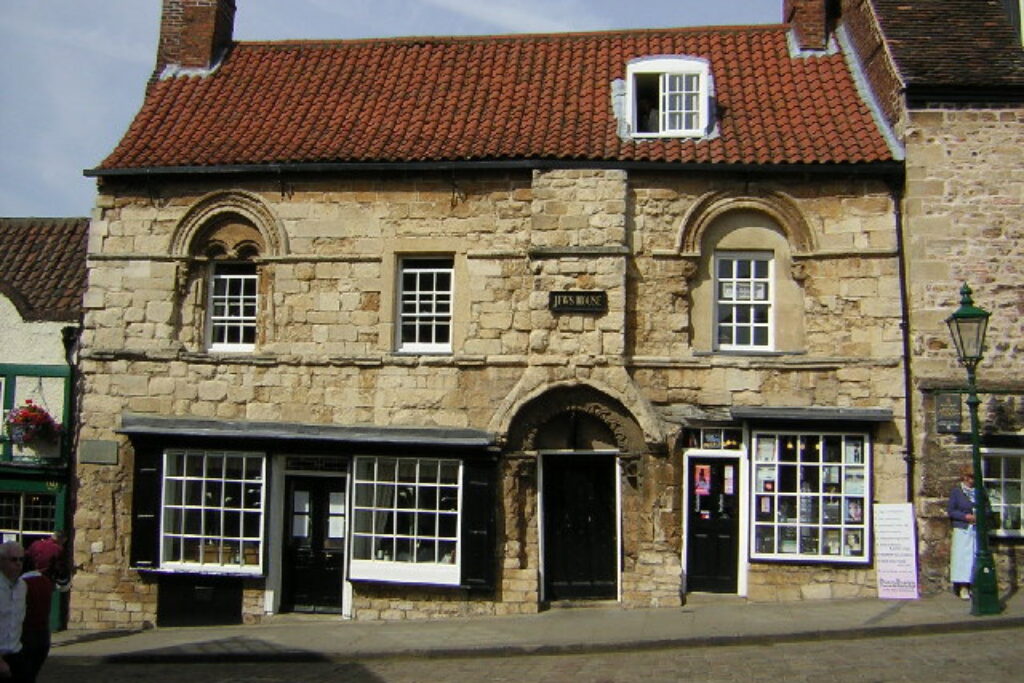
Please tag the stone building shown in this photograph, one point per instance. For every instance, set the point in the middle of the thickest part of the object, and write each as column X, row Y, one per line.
column 406, row 328
column 958, row 104
column 42, row 281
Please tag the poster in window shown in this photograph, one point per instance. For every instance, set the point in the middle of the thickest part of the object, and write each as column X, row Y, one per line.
column 765, row 450
column 702, row 480
column 833, row 546
column 765, row 508
column 728, row 291
column 854, row 543
column 855, row 510
column 830, row 511
column 854, row 481
column 764, row 539
column 787, row 539
column 765, row 478
column 854, row 451
column 743, row 291
column 712, row 439
column 760, row 291
column 729, row 485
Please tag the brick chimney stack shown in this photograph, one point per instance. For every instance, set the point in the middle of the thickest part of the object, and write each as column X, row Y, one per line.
column 811, row 21
column 194, row 33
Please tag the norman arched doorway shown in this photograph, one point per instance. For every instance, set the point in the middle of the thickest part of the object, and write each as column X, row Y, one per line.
column 580, row 437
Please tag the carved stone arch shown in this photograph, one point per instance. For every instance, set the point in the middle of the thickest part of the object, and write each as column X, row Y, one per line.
column 596, row 416
column 217, row 208
column 776, row 205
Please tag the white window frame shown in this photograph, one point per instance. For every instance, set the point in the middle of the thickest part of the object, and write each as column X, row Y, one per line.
column 232, row 311
column 198, row 496
column 835, row 479
column 39, row 522
column 410, row 554
column 738, row 303
column 1004, row 492
column 425, row 305
column 684, row 95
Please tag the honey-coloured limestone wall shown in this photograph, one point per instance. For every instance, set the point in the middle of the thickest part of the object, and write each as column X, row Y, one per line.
column 326, row 350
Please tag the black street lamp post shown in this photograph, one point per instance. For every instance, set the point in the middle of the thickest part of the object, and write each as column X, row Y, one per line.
column 968, row 325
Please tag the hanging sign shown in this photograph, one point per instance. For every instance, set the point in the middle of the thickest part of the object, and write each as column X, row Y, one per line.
column 948, row 417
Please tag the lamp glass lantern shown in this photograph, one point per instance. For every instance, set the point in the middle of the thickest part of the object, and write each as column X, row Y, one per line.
column 968, row 325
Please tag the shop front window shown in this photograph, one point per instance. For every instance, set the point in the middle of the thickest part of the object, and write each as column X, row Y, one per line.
column 811, row 497
column 406, row 519
column 212, row 511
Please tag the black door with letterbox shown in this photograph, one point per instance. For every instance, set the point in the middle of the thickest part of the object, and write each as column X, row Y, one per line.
column 580, row 530
column 712, row 538
column 315, row 532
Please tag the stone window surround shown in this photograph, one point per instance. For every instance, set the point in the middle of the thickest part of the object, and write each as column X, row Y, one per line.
column 232, row 225
column 728, row 221
column 414, row 247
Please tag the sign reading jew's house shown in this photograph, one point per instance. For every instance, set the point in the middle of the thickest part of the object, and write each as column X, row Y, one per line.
column 895, row 551
column 578, row 302
column 947, row 414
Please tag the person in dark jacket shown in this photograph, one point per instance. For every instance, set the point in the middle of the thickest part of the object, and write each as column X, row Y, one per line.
column 961, row 513
column 35, row 630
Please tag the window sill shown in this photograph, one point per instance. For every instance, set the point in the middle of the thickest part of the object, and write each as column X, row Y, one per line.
column 673, row 135
column 734, row 353
column 838, row 560
column 205, row 570
column 405, row 572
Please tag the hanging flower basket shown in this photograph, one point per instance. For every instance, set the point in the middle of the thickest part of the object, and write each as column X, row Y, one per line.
column 29, row 423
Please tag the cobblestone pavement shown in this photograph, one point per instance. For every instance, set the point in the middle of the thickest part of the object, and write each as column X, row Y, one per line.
column 992, row 656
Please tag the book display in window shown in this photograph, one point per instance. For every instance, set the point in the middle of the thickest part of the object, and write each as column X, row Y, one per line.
column 713, row 438
column 810, row 497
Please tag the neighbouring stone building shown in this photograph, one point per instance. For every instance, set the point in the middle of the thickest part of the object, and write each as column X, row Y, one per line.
column 42, row 280
column 958, row 102
column 404, row 328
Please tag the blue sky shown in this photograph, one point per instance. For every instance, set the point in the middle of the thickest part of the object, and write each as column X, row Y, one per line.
column 72, row 72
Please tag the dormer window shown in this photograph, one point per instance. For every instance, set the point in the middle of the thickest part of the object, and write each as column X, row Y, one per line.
column 669, row 96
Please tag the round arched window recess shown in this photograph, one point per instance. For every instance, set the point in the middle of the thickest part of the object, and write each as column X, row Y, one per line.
column 232, row 238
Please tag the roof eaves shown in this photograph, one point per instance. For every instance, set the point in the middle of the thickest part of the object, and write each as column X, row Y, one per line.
column 883, row 168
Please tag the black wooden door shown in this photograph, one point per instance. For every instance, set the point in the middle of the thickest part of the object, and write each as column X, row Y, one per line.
column 712, row 538
column 580, row 531
column 315, row 530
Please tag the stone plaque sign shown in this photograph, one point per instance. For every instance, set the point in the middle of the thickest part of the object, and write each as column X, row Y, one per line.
column 97, row 452
column 895, row 553
column 578, row 302
column 948, row 418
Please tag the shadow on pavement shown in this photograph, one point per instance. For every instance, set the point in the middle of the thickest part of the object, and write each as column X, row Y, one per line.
column 235, row 649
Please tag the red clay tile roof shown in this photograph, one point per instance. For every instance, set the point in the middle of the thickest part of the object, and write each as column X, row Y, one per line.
column 495, row 98
column 953, row 44
column 42, row 266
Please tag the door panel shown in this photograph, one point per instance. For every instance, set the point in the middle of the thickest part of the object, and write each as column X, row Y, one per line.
column 580, row 530
column 712, row 540
column 314, row 555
